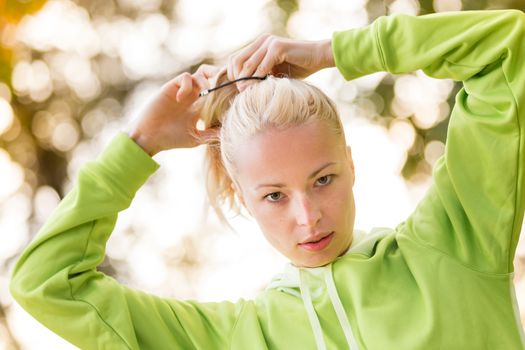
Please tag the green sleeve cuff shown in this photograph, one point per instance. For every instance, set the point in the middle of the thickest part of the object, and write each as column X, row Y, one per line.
column 357, row 51
column 125, row 164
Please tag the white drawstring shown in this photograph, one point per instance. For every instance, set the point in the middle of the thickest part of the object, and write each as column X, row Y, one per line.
column 314, row 287
column 312, row 316
column 338, row 307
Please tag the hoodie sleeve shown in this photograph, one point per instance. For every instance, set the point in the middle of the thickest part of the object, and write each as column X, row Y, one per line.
column 474, row 209
column 56, row 279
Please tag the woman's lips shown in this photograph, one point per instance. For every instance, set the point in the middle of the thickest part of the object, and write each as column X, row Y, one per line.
column 319, row 245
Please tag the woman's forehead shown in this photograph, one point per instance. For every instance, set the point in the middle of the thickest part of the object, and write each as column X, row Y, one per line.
column 315, row 133
column 297, row 150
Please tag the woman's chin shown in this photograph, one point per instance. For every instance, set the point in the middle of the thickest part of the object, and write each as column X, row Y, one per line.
column 314, row 262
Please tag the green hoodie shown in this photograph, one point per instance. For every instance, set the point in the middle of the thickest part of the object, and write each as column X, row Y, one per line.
column 440, row 280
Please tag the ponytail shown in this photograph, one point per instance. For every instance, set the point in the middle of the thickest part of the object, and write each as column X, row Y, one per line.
column 219, row 185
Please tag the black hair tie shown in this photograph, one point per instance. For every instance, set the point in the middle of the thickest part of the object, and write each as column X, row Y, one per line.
column 207, row 91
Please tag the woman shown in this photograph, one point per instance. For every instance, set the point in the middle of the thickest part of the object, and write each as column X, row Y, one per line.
column 442, row 279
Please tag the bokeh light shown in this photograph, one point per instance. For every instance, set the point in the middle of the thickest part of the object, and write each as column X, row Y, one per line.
column 6, row 115
column 409, row 7
column 33, row 79
column 12, row 175
column 45, row 201
column 447, row 5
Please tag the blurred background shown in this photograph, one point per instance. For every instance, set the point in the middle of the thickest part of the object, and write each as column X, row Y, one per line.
column 74, row 73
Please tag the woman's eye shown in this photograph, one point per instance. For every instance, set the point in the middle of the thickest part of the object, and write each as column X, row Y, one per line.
column 278, row 196
column 274, row 196
column 324, row 180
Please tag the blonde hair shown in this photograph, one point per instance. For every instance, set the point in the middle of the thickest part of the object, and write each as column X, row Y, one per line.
column 274, row 102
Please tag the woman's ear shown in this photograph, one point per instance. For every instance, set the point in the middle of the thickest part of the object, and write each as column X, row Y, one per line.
column 350, row 161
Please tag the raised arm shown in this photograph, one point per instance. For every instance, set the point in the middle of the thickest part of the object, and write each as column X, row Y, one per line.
column 474, row 209
column 56, row 278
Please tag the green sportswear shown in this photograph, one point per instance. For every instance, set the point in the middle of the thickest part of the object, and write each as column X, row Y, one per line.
column 442, row 279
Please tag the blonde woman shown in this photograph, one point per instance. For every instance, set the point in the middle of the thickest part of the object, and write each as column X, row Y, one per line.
column 442, row 279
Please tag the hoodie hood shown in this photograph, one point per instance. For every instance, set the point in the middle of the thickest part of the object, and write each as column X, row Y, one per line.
column 309, row 283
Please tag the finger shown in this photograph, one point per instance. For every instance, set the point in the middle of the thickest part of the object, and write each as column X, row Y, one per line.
column 208, row 70
column 171, row 88
column 269, row 58
column 253, row 62
column 229, row 71
column 204, row 74
column 186, row 86
column 254, row 65
column 193, row 94
column 247, row 52
column 201, row 81
column 272, row 58
column 236, row 63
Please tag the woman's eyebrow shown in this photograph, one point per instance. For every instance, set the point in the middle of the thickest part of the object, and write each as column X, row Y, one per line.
column 309, row 177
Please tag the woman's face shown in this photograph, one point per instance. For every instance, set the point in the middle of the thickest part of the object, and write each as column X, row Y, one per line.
column 297, row 184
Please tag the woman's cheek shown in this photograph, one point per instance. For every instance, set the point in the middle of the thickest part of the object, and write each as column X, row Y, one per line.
column 267, row 216
column 341, row 200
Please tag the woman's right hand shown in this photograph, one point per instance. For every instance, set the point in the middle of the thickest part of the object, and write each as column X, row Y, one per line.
column 169, row 120
column 270, row 54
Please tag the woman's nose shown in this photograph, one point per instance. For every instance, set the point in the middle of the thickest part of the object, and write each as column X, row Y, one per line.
column 307, row 212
